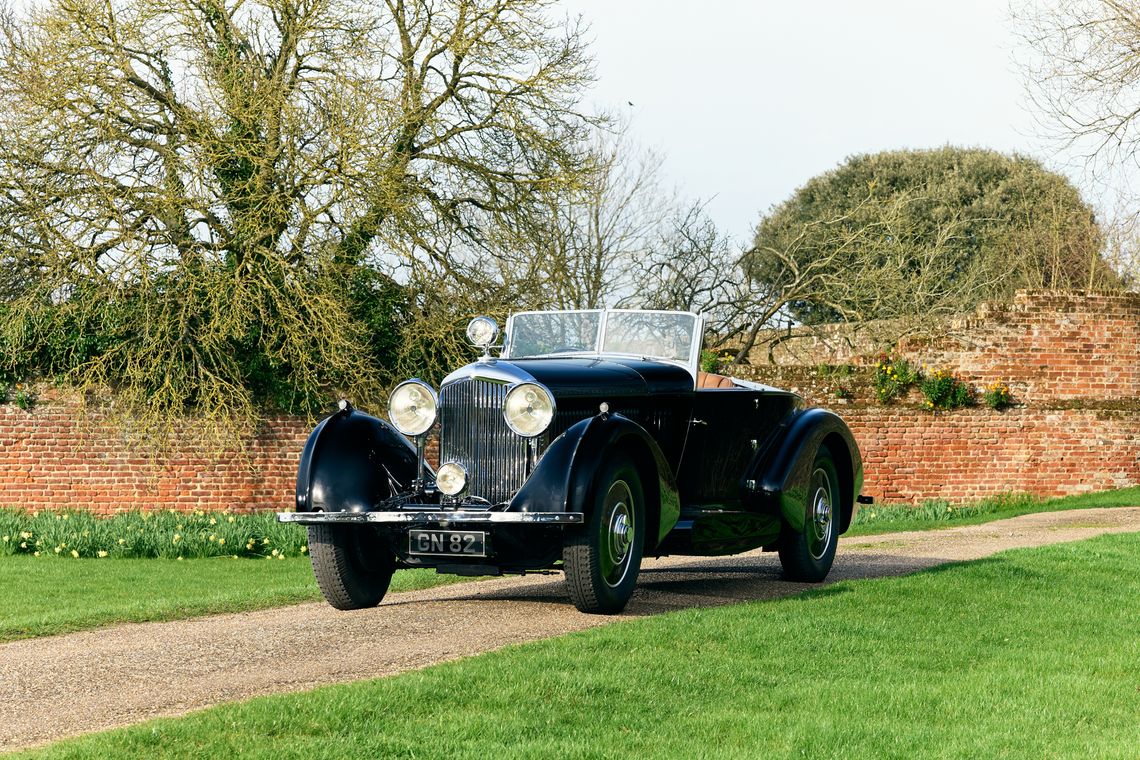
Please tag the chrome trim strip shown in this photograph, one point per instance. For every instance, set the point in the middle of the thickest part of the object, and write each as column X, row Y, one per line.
column 491, row 371
column 418, row 518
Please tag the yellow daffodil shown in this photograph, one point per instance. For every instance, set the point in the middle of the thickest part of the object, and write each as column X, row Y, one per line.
column 36, row 554
column 221, row 542
column 75, row 554
column 23, row 544
column 230, row 519
column 58, row 549
column 122, row 541
column 213, row 521
column 177, row 538
column 179, row 557
column 101, row 554
column 6, row 538
column 274, row 552
column 304, row 549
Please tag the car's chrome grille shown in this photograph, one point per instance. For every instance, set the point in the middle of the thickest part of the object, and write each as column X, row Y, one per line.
column 474, row 434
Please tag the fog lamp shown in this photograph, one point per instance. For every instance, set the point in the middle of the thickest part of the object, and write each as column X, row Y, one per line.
column 451, row 479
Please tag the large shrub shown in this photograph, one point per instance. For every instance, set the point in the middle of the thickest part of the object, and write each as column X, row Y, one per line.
column 939, row 229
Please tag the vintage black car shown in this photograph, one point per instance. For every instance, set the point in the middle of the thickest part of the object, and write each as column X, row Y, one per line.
column 591, row 441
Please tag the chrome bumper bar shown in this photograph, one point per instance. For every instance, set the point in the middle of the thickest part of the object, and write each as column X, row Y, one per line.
column 415, row 517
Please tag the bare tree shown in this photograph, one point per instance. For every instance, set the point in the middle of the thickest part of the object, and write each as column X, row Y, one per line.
column 695, row 267
column 581, row 247
column 1085, row 81
column 224, row 164
column 1085, row 78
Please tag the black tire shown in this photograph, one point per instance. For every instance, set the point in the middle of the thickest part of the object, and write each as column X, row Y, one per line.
column 808, row 555
column 603, row 558
column 353, row 564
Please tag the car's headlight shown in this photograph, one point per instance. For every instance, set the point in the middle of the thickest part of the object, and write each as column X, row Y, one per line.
column 412, row 407
column 528, row 409
column 482, row 331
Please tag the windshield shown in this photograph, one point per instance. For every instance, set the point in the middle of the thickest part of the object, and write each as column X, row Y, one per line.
column 557, row 332
column 649, row 333
column 667, row 335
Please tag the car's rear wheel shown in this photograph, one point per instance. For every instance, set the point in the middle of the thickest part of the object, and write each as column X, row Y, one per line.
column 603, row 559
column 808, row 555
column 353, row 564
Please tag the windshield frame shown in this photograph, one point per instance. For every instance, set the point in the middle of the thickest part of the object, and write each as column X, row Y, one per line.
column 691, row 364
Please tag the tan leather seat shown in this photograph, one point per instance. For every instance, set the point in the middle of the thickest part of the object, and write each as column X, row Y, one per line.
column 707, row 380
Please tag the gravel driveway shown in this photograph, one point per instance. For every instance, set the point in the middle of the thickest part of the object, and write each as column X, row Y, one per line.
column 66, row 685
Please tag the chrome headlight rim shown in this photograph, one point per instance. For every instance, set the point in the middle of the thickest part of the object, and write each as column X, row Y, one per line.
column 451, row 479
column 541, row 421
column 482, row 332
column 421, row 428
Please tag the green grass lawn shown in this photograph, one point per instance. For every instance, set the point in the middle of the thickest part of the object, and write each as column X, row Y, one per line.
column 891, row 518
column 1029, row 654
column 40, row 596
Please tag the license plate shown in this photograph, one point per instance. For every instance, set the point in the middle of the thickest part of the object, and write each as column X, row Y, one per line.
column 448, row 543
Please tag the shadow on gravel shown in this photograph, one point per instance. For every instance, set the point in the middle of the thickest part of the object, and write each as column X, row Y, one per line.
column 706, row 582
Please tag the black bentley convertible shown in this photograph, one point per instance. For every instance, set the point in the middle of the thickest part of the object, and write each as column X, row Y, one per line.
column 591, row 441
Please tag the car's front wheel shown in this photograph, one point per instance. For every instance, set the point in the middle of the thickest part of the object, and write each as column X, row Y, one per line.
column 603, row 559
column 353, row 564
column 808, row 555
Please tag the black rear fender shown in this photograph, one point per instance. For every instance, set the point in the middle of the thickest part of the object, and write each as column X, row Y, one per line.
column 352, row 462
column 566, row 477
column 781, row 473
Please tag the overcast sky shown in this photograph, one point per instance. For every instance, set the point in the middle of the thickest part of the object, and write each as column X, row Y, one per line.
column 748, row 100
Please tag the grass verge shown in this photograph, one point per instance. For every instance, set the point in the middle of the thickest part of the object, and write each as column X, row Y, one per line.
column 1031, row 653
column 41, row 596
column 931, row 515
column 167, row 534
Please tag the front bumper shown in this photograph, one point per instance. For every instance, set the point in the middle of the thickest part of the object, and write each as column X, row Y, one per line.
column 432, row 517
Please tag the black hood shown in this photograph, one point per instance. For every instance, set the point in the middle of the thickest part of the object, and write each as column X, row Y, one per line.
column 588, row 377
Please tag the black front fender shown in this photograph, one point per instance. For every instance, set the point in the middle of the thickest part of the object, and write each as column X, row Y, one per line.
column 565, row 478
column 352, row 462
column 782, row 473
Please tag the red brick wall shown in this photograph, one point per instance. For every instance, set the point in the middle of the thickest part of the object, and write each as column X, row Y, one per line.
column 910, row 455
column 59, row 456
column 1073, row 362
column 1048, row 346
column 55, row 457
